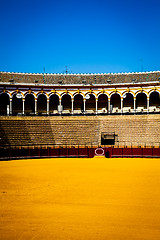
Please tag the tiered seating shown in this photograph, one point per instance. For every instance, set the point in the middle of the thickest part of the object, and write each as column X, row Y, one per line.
column 21, row 131
column 15, row 132
column 40, row 131
column 135, row 130
column 75, row 131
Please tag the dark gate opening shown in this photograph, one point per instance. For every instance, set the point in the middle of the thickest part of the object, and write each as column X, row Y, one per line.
column 108, row 138
column 107, row 154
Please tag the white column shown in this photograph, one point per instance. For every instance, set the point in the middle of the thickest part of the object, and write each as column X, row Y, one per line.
column 96, row 105
column 36, row 106
column 72, row 105
column 134, row 104
column 23, row 100
column 10, row 107
column 109, row 106
column 47, row 106
column 122, row 104
column 84, row 103
column 7, row 110
column 60, row 108
column 147, row 104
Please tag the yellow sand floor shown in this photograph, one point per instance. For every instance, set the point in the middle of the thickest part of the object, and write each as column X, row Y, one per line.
column 110, row 199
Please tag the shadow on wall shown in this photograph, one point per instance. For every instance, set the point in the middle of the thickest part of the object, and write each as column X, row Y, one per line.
column 3, row 137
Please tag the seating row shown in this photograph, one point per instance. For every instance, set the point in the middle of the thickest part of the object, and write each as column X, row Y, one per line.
column 129, row 130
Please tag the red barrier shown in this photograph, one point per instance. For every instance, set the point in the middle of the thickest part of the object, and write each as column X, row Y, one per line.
column 91, row 152
column 108, row 152
column 137, row 152
column 44, row 152
column 117, row 152
column 147, row 152
column 64, row 152
column 127, row 152
column 35, row 152
column 24, row 152
column 73, row 152
column 55, row 152
column 156, row 152
column 83, row 152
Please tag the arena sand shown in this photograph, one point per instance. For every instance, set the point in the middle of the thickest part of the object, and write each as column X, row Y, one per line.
column 80, row 199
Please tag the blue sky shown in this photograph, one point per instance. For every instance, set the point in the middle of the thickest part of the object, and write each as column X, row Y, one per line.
column 86, row 36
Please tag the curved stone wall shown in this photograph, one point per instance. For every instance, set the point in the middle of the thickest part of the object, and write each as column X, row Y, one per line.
column 127, row 130
column 111, row 98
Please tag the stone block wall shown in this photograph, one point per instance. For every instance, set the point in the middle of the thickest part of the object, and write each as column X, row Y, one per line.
column 131, row 130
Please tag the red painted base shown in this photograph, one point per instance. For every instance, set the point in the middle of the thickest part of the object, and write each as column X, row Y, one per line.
column 86, row 152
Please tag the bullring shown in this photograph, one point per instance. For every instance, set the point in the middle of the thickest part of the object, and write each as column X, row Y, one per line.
column 114, row 109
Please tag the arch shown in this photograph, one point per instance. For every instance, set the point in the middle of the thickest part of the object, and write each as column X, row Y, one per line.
column 4, row 103
column 154, row 99
column 66, row 102
column 91, row 93
column 42, row 92
column 7, row 92
column 54, row 93
column 91, row 102
column 115, row 100
column 141, row 91
column 16, row 92
column 53, row 102
column 41, row 103
column 141, row 100
column 112, row 93
column 30, row 92
column 105, row 93
column 128, row 101
column 78, row 102
column 153, row 90
column 125, row 92
column 68, row 93
column 17, row 105
column 80, row 93
column 29, row 104
column 102, row 101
